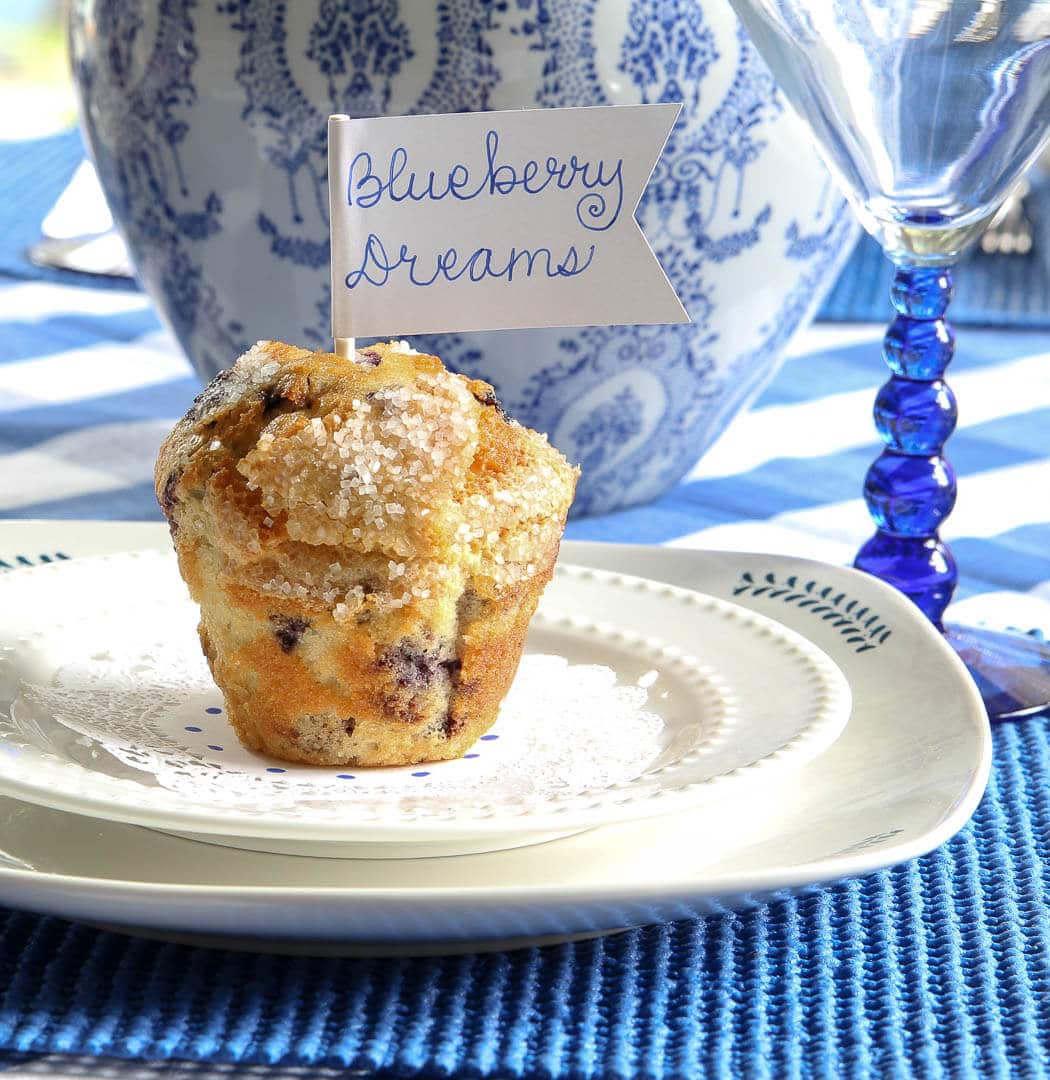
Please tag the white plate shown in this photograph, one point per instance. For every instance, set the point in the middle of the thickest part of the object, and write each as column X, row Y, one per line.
column 612, row 717
column 903, row 777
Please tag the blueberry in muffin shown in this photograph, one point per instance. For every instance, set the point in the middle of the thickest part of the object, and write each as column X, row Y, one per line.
column 367, row 540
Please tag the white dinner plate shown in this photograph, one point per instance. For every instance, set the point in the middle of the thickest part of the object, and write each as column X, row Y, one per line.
column 634, row 698
column 905, row 774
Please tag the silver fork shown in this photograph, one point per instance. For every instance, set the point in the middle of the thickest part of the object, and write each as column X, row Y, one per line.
column 1010, row 231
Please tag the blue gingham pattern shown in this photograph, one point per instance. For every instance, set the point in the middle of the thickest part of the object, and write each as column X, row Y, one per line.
column 938, row 968
column 90, row 383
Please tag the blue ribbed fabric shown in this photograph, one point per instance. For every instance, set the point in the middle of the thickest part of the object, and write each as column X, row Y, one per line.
column 33, row 174
column 990, row 290
column 938, row 968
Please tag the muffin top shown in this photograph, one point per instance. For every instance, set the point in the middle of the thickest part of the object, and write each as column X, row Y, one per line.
column 386, row 455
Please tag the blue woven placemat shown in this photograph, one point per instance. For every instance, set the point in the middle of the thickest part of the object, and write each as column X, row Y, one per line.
column 990, row 290
column 33, row 174
column 938, row 968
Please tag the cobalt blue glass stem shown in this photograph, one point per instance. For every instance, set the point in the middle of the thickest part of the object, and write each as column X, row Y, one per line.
column 910, row 488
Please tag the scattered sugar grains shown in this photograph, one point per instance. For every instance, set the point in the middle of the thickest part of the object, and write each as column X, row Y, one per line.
column 384, row 474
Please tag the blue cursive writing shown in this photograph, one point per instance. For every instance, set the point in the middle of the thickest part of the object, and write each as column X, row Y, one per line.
column 597, row 209
column 377, row 266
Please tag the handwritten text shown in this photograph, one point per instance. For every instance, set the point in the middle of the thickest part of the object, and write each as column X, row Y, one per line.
column 377, row 266
column 597, row 208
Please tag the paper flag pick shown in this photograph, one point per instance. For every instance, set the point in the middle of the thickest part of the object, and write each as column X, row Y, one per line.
column 495, row 220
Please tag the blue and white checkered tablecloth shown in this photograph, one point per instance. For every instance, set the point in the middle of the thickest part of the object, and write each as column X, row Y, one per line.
column 938, row 968
column 90, row 384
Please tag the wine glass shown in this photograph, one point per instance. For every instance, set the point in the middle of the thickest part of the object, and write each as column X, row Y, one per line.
column 927, row 112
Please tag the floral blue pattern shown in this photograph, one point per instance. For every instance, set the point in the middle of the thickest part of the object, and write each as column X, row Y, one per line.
column 615, row 421
column 360, row 48
column 136, row 131
column 635, row 405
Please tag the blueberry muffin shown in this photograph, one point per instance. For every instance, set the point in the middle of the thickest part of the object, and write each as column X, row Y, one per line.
column 367, row 539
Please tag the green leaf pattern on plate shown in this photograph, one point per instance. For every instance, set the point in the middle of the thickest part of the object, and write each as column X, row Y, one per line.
column 859, row 625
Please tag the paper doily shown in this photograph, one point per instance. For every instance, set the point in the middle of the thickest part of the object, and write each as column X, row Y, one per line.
column 112, row 712
column 563, row 729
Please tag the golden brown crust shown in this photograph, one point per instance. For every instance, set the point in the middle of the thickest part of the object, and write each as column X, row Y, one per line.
column 367, row 540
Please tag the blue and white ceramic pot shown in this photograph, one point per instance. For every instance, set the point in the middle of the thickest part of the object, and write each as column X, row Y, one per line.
column 206, row 120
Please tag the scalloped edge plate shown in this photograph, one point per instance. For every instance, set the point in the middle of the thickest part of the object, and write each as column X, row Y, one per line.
column 786, row 700
column 888, row 790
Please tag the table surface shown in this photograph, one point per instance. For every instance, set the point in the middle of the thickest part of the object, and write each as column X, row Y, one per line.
column 938, row 968
column 90, row 384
